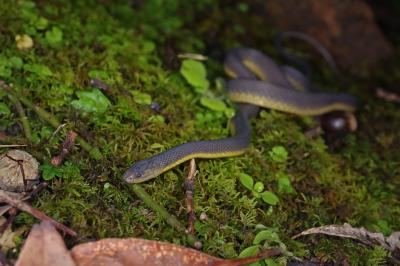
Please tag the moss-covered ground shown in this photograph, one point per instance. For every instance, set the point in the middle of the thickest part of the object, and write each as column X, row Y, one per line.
column 132, row 48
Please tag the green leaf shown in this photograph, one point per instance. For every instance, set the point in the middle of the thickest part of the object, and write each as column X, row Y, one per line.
column 259, row 187
column 91, row 101
column 246, row 180
column 40, row 70
column 278, row 154
column 4, row 110
column 49, row 171
column 195, row 74
column 269, row 197
column 249, row 251
column 54, row 36
column 141, row 98
column 266, row 235
column 213, row 104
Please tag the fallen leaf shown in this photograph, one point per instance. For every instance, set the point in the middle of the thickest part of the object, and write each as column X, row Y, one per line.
column 134, row 251
column 391, row 243
column 44, row 247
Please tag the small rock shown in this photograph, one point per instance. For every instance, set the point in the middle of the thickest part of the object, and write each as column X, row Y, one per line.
column 14, row 165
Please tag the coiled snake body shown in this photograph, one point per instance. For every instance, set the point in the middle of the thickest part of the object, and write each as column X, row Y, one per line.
column 258, row 82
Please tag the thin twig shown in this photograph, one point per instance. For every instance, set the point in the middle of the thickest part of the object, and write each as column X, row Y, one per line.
column 161, row 211
column 94, row 152
column 12, row 145
column 56, row 131
column 24, row 119
column 4, row 197
column 65, row 149
column 12, row 212
column 189, row 187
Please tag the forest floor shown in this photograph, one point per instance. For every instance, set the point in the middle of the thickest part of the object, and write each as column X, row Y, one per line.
column 149, row 107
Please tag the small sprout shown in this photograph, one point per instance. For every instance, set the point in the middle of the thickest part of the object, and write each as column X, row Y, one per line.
column 246, row 180
column 278, row 154
column 195, row 74
column 24, row 42
column 259, row 187
column 269, row 197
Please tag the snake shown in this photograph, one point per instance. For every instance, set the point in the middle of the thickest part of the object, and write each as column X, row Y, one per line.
column 257, row 82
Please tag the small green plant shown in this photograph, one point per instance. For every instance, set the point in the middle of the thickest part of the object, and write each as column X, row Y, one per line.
column 278, row 154
column 258, row 189
column 92, row 101
column 264, row 239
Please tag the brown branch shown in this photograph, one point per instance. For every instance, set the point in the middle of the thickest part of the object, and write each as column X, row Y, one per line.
column 189, row 187
column 4, row 197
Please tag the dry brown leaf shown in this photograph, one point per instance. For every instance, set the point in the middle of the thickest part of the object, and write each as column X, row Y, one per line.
column 44, row 247
column 134, row 251
column 391, row 243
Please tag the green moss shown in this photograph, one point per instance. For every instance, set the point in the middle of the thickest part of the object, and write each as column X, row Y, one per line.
column 127, row 48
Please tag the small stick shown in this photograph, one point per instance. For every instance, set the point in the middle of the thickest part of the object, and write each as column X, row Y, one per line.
column 189, row 187
column 12, row 145
column 65, row 149
column 55, row 132
column 4, row 197
column 13, row 211
column 24, row 119
column 160, row 210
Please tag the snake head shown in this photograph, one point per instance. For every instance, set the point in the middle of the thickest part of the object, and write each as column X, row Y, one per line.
column 141, row 171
